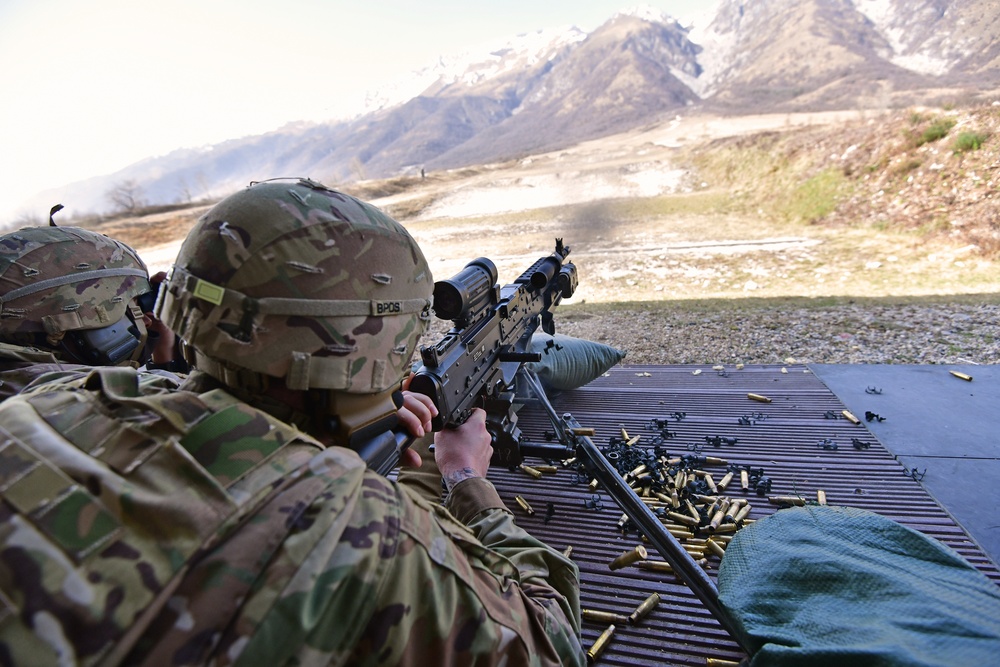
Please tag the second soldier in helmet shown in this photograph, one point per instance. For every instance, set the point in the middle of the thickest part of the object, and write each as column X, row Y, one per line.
column 69, row 298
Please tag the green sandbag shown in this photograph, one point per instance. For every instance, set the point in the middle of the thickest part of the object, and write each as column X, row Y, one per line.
column 822, row 585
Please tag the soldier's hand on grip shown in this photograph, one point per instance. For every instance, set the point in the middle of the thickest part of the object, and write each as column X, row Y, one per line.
column 466, row 449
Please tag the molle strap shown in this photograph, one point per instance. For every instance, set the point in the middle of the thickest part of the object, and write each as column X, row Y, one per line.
column 230, row 298
column 140, row 325
column 68, row 321
column 68, row 280
column 232, row 377
column 336, row 373
column 304, row 372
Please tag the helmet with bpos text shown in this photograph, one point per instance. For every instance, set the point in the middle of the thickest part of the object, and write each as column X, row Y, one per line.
column 290, row 282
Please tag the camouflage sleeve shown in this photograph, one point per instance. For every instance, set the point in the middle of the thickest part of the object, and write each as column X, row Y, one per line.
column 475, row 503
column 15, row 379
column 378, row 576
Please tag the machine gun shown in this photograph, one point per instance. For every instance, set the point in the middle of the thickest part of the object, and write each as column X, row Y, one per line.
column 475, row 364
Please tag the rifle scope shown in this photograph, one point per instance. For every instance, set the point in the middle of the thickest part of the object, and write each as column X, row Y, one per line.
column 465, row 293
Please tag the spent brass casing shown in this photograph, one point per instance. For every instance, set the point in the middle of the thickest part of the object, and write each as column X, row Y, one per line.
column 625, row 435
column 961, row 376
column 603, row 616
column 598, row 646
column 622, row 521
column 719, row 662
column 694, row 552
column 679, row 532
column 742, row 514
column 726, row 528
column 744, row 479
column 711, row 483
column 654, row 566
column 758, row 398
column 638, row 469
column 568, row 551
column 821, row 496
column 717, row 520
column 633, row 440
column 642, row 611
column 715, row 461
column 683, row 518
column 629, row 557
column 675, row 500
column 579, row 430
column 849, row 416
column 663, row 498
column 593, row 484
column 786, row 500
column 546, row 468
column 716, row 548
column 692, row 510
column 537, row 474
column 724, row 482
column 524, row 505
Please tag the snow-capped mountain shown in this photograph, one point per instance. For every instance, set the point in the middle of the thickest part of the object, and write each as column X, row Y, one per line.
column 553, row 88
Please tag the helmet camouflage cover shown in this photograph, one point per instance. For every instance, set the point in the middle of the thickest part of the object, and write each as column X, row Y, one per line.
column 293, row 280
column 55, row 280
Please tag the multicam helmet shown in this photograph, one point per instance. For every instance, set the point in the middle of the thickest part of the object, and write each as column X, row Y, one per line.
column 72, row 291
column 289, row 279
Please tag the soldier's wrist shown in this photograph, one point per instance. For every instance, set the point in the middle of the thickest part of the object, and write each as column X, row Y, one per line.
column 454, row 477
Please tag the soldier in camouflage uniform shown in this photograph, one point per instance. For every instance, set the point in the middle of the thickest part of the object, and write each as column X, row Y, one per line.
column 69, row 298
column 227, row 523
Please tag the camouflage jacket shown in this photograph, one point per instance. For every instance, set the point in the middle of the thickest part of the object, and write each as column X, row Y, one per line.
column 25, row 368
column 185, row 528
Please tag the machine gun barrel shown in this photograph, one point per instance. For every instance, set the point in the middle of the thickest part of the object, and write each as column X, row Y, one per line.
column 568, row 430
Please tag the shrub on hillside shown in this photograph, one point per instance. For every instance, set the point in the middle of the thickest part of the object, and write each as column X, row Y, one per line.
column 968, row 141
column 939, row 129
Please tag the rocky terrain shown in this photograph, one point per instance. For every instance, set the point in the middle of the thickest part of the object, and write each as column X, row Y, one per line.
column 823, row 238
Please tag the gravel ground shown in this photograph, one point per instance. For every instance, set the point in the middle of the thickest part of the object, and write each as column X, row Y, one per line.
column 850, row 333
column 840, row 334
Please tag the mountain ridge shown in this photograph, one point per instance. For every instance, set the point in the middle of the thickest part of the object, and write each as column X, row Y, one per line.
column 553, row 88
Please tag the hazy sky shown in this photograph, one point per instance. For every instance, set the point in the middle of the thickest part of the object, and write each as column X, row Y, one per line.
column 91, row 86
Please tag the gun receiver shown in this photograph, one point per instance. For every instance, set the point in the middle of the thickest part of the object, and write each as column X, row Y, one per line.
column 475, row 364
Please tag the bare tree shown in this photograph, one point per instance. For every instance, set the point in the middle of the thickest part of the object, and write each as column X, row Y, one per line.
column 127, row 196
column 184, row 191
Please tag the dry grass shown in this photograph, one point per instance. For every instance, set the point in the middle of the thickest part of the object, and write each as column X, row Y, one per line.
column 779, row 214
